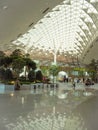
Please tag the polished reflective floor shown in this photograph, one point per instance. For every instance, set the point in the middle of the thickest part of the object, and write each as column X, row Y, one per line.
column 59, row 108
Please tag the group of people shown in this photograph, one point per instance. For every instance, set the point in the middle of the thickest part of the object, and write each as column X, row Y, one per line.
column 89, row 82
column 65, row 79
column 86, row 82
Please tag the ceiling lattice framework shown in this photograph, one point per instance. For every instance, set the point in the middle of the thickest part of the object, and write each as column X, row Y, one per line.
column 69, row 29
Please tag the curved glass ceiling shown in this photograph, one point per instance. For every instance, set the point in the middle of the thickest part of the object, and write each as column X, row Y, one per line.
column 70, row 27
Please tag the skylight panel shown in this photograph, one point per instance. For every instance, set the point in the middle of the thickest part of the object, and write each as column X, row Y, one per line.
column 63, row 27
column 94, row 1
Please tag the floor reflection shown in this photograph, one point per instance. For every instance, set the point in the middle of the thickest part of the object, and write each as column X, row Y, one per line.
column 49, row 109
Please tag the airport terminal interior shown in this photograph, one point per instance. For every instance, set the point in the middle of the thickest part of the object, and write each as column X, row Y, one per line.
column 48, row 64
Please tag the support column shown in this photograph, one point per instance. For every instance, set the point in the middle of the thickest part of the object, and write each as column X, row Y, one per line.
column 55, row 58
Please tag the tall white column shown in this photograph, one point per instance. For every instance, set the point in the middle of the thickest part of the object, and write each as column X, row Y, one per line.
column 55, row 58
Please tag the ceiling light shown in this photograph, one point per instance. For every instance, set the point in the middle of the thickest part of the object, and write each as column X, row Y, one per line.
column 5, row 7
column 45, row 10
column 93, row 1
column 31, row 24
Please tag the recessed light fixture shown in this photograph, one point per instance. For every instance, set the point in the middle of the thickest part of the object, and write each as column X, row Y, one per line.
column 31, row 24
column 45, row 10
column 5, row 7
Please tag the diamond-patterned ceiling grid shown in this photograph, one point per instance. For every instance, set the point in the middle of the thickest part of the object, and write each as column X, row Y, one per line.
column 68, row 27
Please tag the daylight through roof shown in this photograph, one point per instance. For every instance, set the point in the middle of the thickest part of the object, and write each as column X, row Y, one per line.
column 70, row 28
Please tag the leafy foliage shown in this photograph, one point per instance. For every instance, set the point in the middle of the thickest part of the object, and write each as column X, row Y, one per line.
column 54, row 69
column 2, row 54
column 2, row 73
column 31, row 64
column 8, row 75
column 92, row 69
column 17, row 61
column 39, row 75
column 31, row 76
column 16, row 53
column 18, row 64
column 1, row 61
